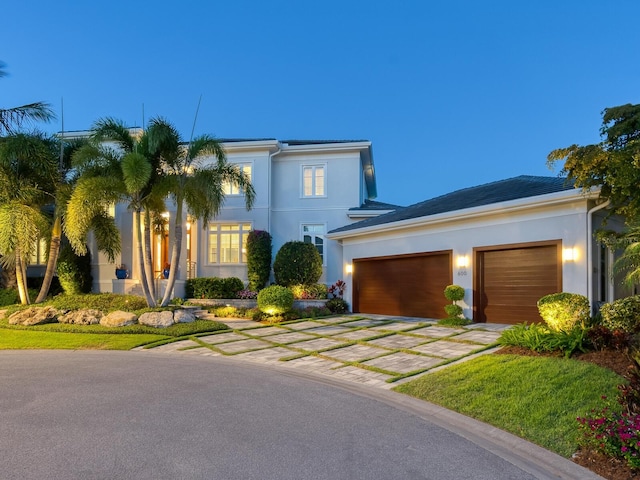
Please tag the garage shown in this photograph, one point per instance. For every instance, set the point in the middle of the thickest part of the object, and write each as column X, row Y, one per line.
column 403, row 285
column 511, row 279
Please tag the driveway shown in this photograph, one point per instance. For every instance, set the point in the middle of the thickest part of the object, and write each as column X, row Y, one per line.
column 127, row 415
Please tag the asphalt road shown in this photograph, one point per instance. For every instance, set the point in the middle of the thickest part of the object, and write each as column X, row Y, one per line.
column 126, row 415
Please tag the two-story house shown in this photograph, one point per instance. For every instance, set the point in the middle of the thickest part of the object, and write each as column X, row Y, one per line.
column 303, row 190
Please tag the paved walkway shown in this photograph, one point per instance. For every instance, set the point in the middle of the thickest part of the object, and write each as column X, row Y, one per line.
column 374, row 350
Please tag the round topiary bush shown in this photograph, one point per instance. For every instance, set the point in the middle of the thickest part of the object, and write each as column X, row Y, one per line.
column 453, row 310
column 454, row 293
column 275, row 300
column 622, row 314
column 562, row 312
column 297, row 263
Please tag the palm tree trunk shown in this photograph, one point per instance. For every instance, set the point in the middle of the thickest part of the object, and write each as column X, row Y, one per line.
column 148, row 262
column 175, row 254
column 151, row 301
column 21, row 278
column 52, row 261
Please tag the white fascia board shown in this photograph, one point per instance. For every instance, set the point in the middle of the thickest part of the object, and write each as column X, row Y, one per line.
column 368, row 213
column 326, row 147
column 270, row 145
column 510, row 207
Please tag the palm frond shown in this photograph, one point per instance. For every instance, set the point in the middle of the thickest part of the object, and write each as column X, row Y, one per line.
column 107, row 235
column 109, row 129
column 12, row 119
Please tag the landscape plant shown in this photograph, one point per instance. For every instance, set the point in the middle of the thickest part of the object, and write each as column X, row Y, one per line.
column 540, row 338
column 213, row 287
column 258, row 259
column 275, row 300
column 337, row 305
column 564, row 311
column 297, row 263
column 74, row 271
column 453, row 293
column 315, row 291
column 622, row 314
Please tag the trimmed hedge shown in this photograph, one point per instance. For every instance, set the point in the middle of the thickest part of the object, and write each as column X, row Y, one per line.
column 564, row 311
column 258, row 259
column 297, row 263
column 275, row 300
column 622, row 314
column 213, row 287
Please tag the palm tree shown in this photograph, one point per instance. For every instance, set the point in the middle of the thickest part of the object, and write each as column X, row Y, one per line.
column 191, row 181
column 26, row 165
column 110, row 175
column 13, row 118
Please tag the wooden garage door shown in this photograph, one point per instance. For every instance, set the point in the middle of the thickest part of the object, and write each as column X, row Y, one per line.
column 510, row 281
column 407, row 285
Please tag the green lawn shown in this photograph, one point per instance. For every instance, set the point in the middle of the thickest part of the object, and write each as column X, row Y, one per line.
column 21, row 339
column 536, row 398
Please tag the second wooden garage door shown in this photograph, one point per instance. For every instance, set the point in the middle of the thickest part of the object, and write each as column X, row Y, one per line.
column 406, row 285
column 509, row 281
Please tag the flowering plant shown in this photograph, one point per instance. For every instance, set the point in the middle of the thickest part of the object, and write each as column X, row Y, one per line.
column 613, row 433
column 247, row 294
column 337, row 289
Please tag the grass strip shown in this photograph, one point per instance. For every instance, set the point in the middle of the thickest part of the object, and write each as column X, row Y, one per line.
column 536, row 398
column 19, row 340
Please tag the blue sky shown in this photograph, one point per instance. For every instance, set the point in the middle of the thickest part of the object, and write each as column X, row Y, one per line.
column 452, row 93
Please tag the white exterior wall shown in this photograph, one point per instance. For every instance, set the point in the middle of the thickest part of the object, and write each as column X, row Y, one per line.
column 567, row 223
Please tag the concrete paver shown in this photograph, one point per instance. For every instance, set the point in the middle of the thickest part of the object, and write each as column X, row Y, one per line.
column 395, row 327
column 318, row 344
column 479, row 336
column 446, row 349
column 303, row 325
column 222, row 338
column 436, row 332
column 403, row 362
column 329, row 330
column 289, row 337
column 398, row 341
column 242, row 346
column 358, row 334
column 263, row 332
column 356, row 353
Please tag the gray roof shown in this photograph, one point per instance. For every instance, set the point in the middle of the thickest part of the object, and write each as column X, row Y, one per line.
column 495, row 192
column 369, row 205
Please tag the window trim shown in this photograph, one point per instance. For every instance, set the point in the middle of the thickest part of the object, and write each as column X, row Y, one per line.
column 233, row 186
column 323, row 236
column 313, row 166
column 240, row 232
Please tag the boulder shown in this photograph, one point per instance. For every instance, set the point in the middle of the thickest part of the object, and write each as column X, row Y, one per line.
column 34, row 316
column 157, row 319
column 82, row 317
column 119, row 319
column 183, row 316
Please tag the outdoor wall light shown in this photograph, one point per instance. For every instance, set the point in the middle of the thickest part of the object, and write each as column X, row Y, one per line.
column 462, row 261
column 348, row 268
column 570, row 254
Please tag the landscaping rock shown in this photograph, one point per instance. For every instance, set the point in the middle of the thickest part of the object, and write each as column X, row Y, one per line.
column 82, row 317
column 119, row 319
column 157, row 319
column 34, row 316
column 183, row 316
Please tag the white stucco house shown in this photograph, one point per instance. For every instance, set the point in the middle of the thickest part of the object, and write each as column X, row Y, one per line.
column 508, row 243
column 303, row 190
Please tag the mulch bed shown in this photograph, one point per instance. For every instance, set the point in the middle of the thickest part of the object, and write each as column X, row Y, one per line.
column 618, row 361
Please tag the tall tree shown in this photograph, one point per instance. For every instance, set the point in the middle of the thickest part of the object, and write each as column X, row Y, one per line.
column 27, row 162
column 194, row 176
column 114, row 167
column 613, row 165
column 11, row 119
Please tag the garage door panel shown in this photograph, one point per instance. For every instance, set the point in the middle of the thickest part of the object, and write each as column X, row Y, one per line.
column 407, row 286
column 510, row 281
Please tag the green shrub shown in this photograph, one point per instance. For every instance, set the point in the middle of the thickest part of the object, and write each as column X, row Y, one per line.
column 54, row 289
column 337, row 305
column 453, row 310
column 258, row 259
column 74, row 271
column 9, row 296
column 564, row 311
column 540, row 338
column 275, row 300
column 316, row 291
column 454, row 293
column 213, row 287
column 622, row 314
column 106, row 302
column 454, row 321
column 297, row 263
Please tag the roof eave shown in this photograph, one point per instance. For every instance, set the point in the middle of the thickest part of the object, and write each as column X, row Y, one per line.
column 549, row 199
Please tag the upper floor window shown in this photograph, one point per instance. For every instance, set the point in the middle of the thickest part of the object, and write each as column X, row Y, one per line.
column 233, row 189
column 228, row 242
column 314, row 234
column 39, row 253
column 313, row 181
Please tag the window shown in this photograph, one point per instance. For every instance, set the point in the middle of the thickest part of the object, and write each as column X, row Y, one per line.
column 231, row 188
column 314, row 234
column 227, row 242
column 313, row 184
column 39, row 253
